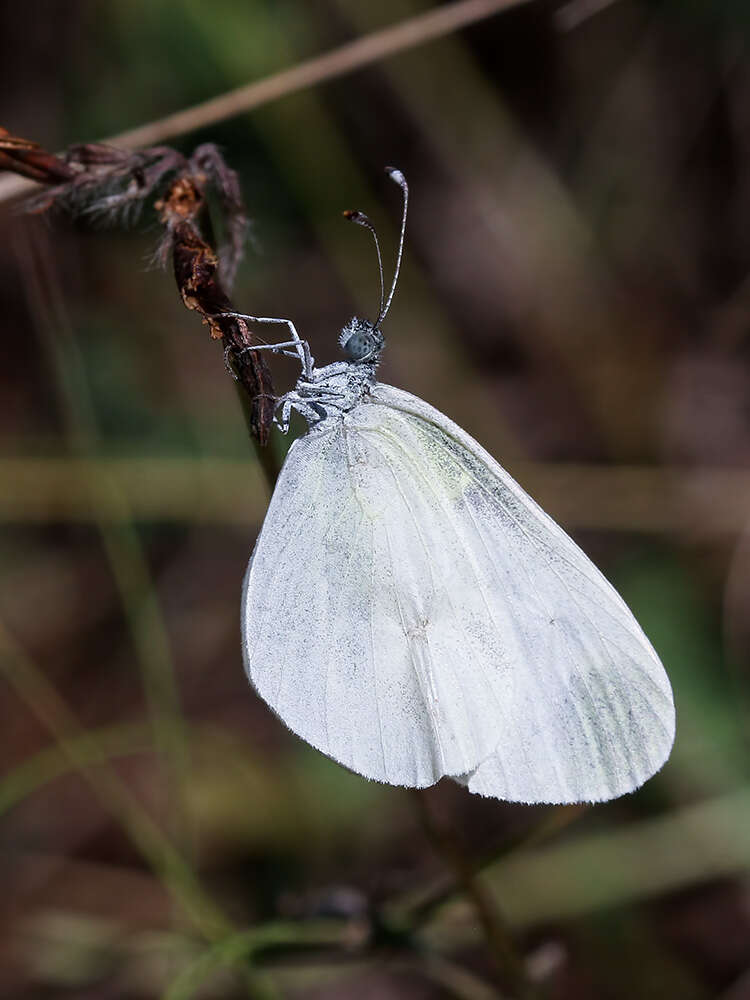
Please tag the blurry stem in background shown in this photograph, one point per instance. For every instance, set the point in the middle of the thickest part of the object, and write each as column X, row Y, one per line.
column 735, row 625
column 244, row 946
column 575, row 12
column 740, row 988
column 346, row 58
column 121, row 543
column 708, row 503
column 454, row 979
column 86, row 756
column 416, row 907
column 497, row 936
column 46, row 765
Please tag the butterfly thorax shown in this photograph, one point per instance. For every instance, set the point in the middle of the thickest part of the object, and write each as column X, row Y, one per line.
column 329, row 393
column 343, row 383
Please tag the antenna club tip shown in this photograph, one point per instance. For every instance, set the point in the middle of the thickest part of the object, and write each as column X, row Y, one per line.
column 354, row 215
column 396, row 175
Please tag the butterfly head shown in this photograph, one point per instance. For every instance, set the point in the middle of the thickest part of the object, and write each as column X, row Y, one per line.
column 362, row 341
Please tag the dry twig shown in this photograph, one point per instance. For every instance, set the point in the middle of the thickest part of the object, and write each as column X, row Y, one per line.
column 101, row 181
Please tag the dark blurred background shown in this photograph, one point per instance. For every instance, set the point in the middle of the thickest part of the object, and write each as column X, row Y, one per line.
column 575, row 294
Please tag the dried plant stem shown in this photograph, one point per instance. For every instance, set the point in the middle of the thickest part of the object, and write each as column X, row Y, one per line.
column 498, row 937
column 111, row 182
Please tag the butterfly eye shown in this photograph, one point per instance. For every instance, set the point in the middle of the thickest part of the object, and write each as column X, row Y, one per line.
column 361, row 341
column 359, row 346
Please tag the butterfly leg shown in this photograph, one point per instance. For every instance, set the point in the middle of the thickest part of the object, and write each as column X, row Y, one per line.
column 302, row 347
column 276, row 348
column 228, row 362
column 311, row 411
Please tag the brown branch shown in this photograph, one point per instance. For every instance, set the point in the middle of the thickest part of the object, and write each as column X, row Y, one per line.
column 96, row 179
column 196, row 270
column 29, row 159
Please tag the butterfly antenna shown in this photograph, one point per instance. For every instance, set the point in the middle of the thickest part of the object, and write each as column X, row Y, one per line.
column 398, row 177
column 362, row 220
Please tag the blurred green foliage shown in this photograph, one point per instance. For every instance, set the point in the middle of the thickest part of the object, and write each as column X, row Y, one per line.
column 574, row 294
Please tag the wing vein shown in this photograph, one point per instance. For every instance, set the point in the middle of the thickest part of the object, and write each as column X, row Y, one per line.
column 614, row 712
column 342, row 580
column 520, row 638
column 601, row 585
column 540, row 728
column 415, row 667
column 457, row 617
column 372, row 658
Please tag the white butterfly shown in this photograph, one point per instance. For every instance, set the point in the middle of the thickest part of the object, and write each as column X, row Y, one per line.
column 411, row 612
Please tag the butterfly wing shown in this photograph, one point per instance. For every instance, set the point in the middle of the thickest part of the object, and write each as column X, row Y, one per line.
column 412, row 613
column 330, row 594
